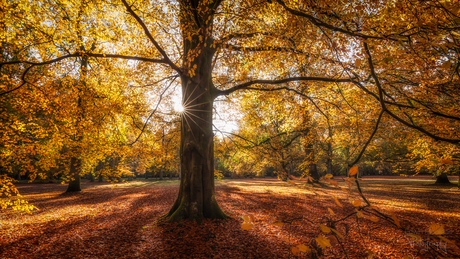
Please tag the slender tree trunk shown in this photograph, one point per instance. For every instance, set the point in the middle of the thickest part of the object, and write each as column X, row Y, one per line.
column 329, row 153
column 74, row 183
column 91, row 177
column 161, row 174
column 310, row 156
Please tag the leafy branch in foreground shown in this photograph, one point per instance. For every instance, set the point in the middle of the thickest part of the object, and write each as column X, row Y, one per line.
column 332, row 229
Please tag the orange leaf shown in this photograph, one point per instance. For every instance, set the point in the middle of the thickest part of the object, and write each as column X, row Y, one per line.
column 323, row 242
column 247, row 226
column 356, row 203
column 353, row 171
column 331, row 211
column 337, row 233
column 295, row 250
column 324, row 229
column 337, row 201
column 436, row 229
column 304, row 248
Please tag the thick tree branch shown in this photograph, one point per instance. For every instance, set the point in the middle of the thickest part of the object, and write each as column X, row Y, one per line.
column 265, row 48
column 246, row 86
column 74, row 55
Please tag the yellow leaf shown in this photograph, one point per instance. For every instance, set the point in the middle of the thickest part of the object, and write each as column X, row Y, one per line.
column 331, row 211
column 295, row 250
column 247, row 226
column 325, row 229
column 278, row 224
column 436, row 229
column 332, row 182
column 337, row 201
column 353, row 171
column 337, row 233
column 359, row 214
column 356, row 203
column 328, row 176
column 246, row 218
column 304, row 248
column 323, row 242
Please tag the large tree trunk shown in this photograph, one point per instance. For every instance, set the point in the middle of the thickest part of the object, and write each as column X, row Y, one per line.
column 196, row 198
column 442, row 179
column 74, row 183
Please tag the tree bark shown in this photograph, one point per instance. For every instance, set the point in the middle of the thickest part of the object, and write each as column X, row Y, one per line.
column 196, row 199
column 442, row 179
column 310, row 156
column 91, row 177
column 329, row 152
column 74, row 183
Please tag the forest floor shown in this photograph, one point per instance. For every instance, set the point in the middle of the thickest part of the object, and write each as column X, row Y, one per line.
column 120, row 221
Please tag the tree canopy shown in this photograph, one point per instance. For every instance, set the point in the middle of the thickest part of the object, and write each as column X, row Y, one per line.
column 82, row 74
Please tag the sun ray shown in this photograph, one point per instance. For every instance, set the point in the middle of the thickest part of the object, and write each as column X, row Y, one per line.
column 186, row 103
column 193, row 135
column 194, row 122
